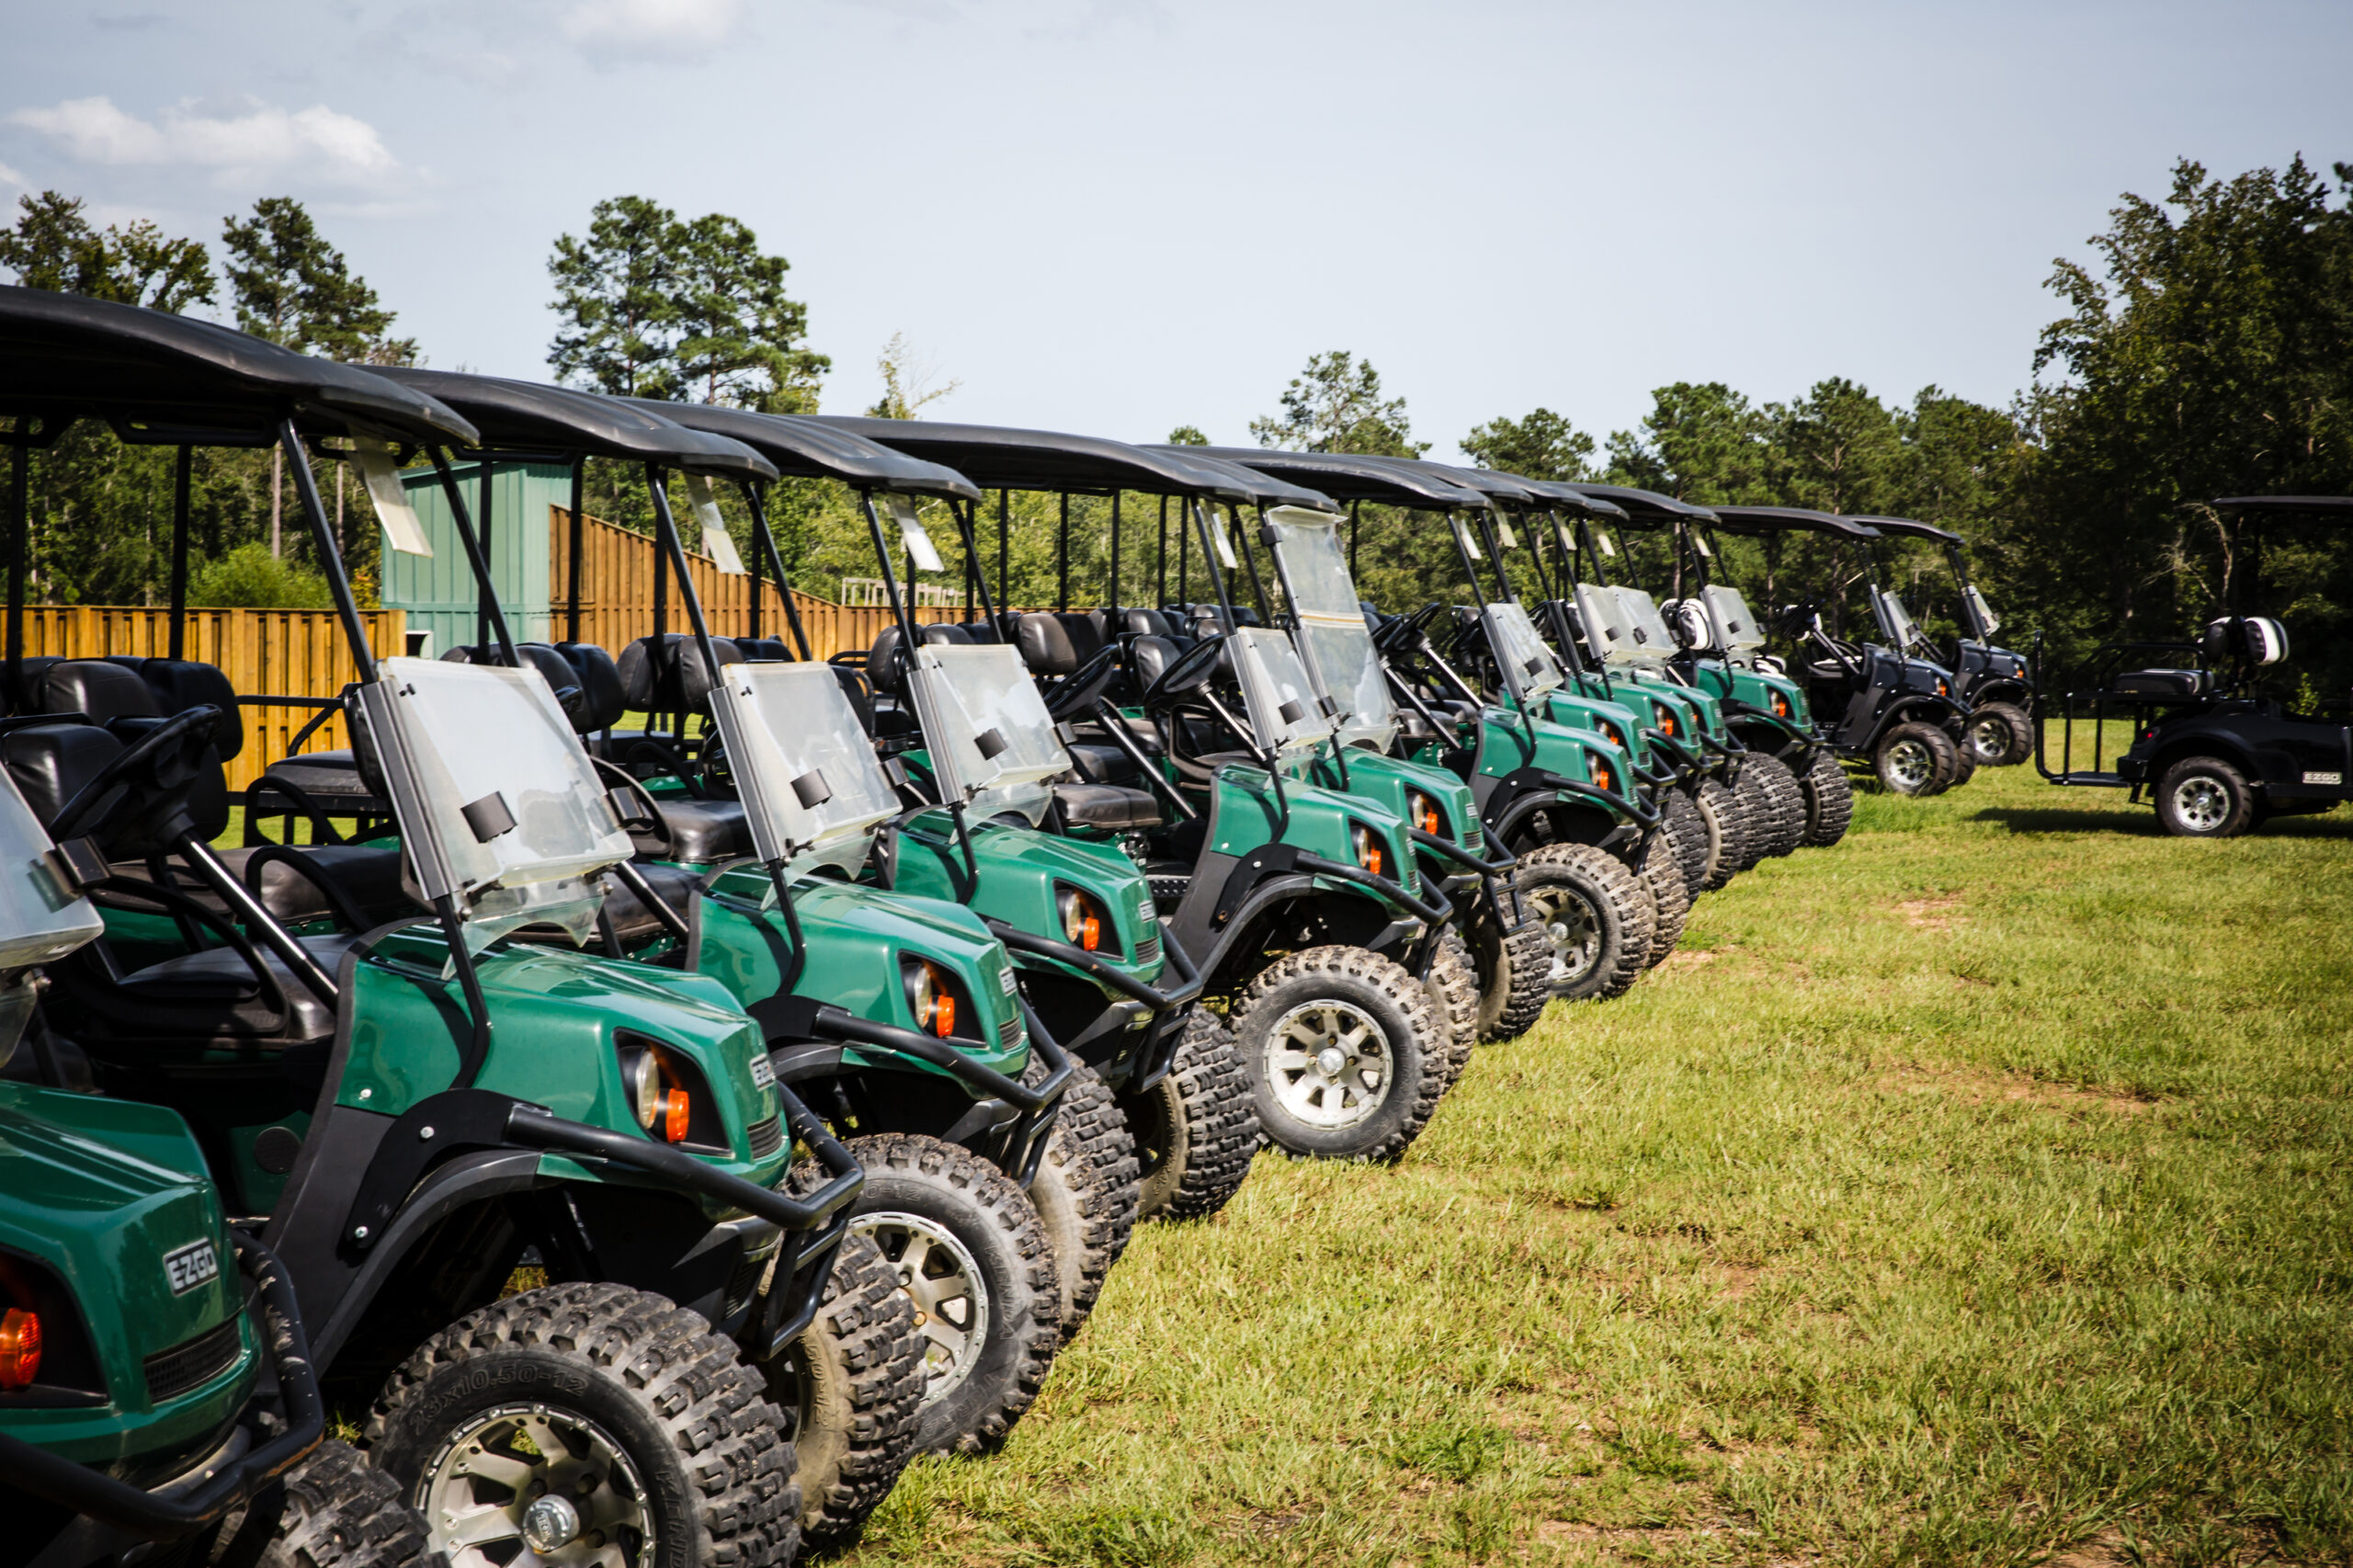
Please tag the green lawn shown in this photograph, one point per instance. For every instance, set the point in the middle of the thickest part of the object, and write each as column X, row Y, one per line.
column 1975, row 1191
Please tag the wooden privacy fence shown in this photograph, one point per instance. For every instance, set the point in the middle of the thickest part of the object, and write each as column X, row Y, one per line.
column 274, row 652
column 617, row 596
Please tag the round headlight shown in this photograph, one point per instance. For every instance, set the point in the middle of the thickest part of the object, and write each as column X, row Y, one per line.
column 1366, row 845
column 929, row 996
column 1424, row 813
column 1082, row 919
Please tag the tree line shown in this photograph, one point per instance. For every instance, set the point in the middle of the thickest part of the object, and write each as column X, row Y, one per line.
column 2207, row 351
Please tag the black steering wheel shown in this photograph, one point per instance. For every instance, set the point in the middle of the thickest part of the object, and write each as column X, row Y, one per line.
column 151, row 774
column 1077, row 690
column 1402, row 633
column 653, row 817
column 1191, row 671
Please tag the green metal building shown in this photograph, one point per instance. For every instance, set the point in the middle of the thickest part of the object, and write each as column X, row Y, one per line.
column 438, row 591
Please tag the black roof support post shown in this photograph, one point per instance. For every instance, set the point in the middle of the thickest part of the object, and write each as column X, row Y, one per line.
column 306, row 488
column 759, row 572
column 19, row 527
column 764, row 544
column 1004, row 511
column 489, row 598
column 182, row 473
column 1356, row 510
column 1111, row 599
column 578, row 535
column 1160, row 560
column 1184, row 557
column 475, row 560
column 661, row 576
column 1062, row 558
column 666, row 546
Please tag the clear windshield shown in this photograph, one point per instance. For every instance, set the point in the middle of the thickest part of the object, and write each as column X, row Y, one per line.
column 1988, row 622
column 1334, row 639
column 1528, row 666
column 493, row 793
column 1281, row 701
column 985, row 724
column 1653, row 643
column 40, row 920
column 813, row 790
column 1607, row 636
column 1735, row 629
column 1895, row 621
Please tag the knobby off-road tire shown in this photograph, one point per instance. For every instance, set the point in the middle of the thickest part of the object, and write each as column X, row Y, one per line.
column 1689, row 839
column 1085, row 1194
column 1597, row 919
column 625, row 1410
column 1453, row 989
column 850, row 1385
column 970, row 1250
column 1345, row 1057
column 1724, row 818
column 1915, row 759
column 1515, row 969
column 1659, row 867
column 1829, row 799
column 2204, row 797
column 2000, row 734
column 1775, row 803
column 1964, row 760
column 333, row 1510
column 1195, row 1131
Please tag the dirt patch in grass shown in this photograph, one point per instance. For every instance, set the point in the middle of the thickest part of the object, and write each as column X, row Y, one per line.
column 1932, row 913
column 1977, row 1086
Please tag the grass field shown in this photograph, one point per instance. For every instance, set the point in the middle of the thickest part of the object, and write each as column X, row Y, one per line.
column 1976, row 1191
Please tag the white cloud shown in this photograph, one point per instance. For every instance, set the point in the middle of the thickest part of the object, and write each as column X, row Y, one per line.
column 263, row 140
column 619, row 31
column 11, row 180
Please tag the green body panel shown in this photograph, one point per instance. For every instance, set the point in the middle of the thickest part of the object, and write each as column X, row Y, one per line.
column 1246, row 817
column 1755, row 687
column 856, row 936
column 98, row 1191
column 555, row 1014
column 1020, row 869
column 1376, row 777
column 1612, row 721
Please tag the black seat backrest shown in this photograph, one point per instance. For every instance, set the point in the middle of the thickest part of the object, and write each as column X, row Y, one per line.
column 603, row 697
column 1146, row 623
column 882, row 659
column 1147, row 656
column 1044, row 641
column 25, row 696
column 669, row 675
column 182, row 684
column 99, row 687
column 980, row 631
column 49, row 763
column 763, row 649
column 1085, row 630
column 860, row 695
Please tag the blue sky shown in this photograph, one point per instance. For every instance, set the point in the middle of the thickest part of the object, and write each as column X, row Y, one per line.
column 1117, row 215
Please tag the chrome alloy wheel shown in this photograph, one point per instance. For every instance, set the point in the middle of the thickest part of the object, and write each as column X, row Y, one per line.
column 1990, row 738
column 951, row 1298
column 1329, row 1064
column 1910, row 766
column 527, row 1483
column 1573, row 929
column 2200, row 803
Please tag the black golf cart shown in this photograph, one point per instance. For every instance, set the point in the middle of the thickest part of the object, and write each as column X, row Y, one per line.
column 1873, row 701
column 1997, row 683
column 2213, row 748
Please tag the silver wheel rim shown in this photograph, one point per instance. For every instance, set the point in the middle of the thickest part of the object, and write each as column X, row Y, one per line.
column 2201, row 803
column 1990, row 738
column 1573, row 929
column 525, row 1483
column 951, row 1298
column 1909, row 765
column 1329, row 1064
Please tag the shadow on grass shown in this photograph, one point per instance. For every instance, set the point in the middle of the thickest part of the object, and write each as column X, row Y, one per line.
column 2142, row 823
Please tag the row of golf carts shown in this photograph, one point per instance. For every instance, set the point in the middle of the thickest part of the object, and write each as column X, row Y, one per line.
column 651, row 1094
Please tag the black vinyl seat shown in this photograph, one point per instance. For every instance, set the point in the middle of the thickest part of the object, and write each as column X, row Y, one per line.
column 700, row 831
column 368, row 874
column 2163, row 683
column 211, row 995
column 676, row 886
column 1110, row 807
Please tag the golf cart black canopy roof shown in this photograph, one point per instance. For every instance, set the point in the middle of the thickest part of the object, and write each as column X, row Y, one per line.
column 1501, row 489
column 1350, row 477
column 812, row 448
column 1910, row 527
column 1756, row 521
column 1554, row 492
column 2337, row 508
column 1265, row 489
column 1000, row 459
column 164, row 379
column 1645, row 509
column 530, row 416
